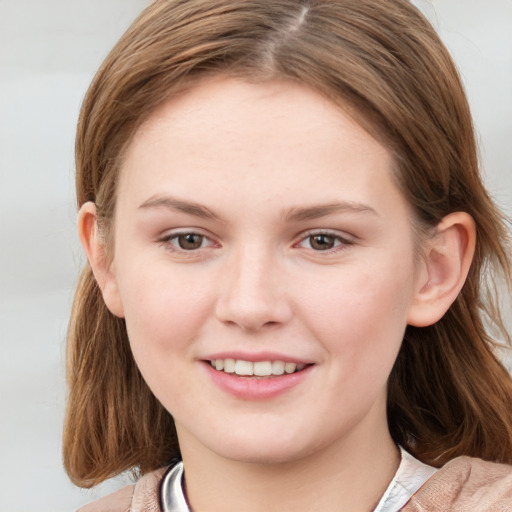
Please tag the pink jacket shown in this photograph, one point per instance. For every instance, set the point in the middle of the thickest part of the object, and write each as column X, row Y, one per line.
column 462, row 485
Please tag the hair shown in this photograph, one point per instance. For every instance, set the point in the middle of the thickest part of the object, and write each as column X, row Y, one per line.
column 383, row 63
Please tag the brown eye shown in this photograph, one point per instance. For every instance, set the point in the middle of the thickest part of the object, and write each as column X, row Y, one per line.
column 189, row 241
column 322, row 242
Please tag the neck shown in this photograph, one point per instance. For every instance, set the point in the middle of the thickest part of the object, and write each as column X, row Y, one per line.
column 352, row 472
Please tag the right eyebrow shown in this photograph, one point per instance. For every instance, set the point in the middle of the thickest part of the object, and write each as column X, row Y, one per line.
column 324, row 210
column 172, row 203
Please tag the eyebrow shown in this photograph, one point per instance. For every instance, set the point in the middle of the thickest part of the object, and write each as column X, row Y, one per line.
column 294, row 214
column 323, row 210
column 173, row 203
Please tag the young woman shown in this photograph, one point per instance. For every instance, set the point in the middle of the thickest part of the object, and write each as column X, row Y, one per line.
column 289, row 299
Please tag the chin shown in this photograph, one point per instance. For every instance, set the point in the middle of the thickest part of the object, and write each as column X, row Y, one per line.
column 267, row 457
column 267, row 450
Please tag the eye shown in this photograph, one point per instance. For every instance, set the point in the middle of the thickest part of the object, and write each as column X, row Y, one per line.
column 323, row 241
column 189, row 241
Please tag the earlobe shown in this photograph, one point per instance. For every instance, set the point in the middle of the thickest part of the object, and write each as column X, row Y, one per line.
column 446, row 263
column 94, row 247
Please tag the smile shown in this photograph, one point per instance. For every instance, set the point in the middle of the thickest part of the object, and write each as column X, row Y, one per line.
column 257, row 369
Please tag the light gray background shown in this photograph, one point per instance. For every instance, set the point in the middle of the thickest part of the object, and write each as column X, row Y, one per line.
column 49, row 51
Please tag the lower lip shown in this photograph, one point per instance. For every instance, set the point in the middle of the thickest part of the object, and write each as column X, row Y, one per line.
column 260, row 388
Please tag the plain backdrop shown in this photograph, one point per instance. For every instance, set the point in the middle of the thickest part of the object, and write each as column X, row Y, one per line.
column 49, row 51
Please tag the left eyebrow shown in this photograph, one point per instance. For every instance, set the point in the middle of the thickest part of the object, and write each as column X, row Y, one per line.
column 172, row 203
column 323, row 210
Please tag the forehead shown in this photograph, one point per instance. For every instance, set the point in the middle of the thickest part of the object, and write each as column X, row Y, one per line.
column 233, row 105
column 268, row 138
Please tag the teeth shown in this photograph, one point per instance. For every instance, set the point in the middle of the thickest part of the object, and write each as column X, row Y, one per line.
column 244, row 367
column 229, row 365
column 259, row 368
column 290, row 367
column 277, row 367
column 262, row 368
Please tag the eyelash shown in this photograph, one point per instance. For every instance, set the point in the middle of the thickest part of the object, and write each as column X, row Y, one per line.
column 169, row 240
column 340, row 242
column 172, row 242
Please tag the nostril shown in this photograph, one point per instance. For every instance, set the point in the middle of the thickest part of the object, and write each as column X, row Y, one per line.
column 251, row 316
column 250, row 295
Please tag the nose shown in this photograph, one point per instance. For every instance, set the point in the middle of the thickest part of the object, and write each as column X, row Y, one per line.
column 252, row 292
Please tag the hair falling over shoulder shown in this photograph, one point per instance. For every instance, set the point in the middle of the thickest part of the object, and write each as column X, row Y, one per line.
column 383, row 63
column 112, row 419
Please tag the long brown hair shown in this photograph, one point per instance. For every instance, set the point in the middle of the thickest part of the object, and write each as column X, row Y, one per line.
column 381, row 61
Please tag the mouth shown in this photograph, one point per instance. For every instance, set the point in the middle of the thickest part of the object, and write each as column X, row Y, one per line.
column 259, row 377
column 244, row 368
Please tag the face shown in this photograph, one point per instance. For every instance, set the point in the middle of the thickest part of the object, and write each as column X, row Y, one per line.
column 264, row 263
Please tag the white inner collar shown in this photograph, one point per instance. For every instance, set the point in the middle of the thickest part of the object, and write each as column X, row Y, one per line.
column 410, row 476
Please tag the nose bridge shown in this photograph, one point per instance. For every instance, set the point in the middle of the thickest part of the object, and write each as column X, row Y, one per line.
column 252, row 293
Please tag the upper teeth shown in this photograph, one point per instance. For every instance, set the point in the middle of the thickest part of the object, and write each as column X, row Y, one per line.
column 259, row 368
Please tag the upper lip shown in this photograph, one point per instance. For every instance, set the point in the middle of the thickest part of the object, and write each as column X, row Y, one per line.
column 255, row 357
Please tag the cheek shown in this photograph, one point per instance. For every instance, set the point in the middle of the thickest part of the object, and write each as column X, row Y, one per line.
column 163, row 311
column 360, row 316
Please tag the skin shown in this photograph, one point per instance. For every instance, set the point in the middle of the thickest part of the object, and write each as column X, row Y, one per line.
column 268, row 175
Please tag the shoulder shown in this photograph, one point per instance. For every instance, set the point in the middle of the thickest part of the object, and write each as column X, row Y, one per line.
column 119, row 501
column 140, row 497
column 466, row 484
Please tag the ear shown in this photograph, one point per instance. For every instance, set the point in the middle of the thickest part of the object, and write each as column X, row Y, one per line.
column 94, row 247
column 444, row 268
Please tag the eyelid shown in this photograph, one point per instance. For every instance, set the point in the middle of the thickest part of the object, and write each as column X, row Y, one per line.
column 343, row 239
column 167, row 238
